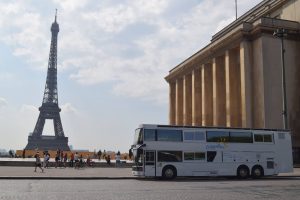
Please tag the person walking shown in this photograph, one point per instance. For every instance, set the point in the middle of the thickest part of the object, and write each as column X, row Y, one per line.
column 108, row 159
column 23, row 154
column 104, row 154
column 65, row 159
column 57, row 160
column 38, row 162
column 99, row 154
column 76, row 158
column 118, row 159
column 72, row 160
column 46, row 159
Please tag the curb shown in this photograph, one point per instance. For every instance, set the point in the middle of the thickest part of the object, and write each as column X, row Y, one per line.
column 133, row 178
column 64, row 178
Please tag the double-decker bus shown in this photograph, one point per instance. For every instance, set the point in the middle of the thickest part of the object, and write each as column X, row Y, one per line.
column 170, row 151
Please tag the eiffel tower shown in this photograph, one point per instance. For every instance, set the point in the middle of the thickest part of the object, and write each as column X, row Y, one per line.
column 49, row 108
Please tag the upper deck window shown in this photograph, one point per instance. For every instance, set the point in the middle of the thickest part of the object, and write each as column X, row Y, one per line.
column 149, row 135
column 241, row 137
column 263, row 137
column 169, row 135
column 194, row 135
column 217, row 136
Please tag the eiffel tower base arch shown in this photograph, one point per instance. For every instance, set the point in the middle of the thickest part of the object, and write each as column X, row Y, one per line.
column 46, row 143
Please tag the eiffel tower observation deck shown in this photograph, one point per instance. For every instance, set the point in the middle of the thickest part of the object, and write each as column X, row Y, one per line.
column 49, row 109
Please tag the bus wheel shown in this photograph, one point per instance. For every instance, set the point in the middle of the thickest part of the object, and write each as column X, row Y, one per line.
column 169, row 172
column 257, row 172
column 243, row 172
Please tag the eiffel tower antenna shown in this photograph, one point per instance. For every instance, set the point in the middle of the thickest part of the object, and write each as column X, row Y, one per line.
column 50, row 109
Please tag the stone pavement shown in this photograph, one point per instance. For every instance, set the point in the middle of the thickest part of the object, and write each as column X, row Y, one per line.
column 65, row 173
column 7, row 172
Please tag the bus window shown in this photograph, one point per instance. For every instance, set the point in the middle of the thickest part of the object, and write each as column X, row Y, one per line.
column 150, row 158
column 268, row 138
column 217, row 136
column 188, row 135
column 188, row 155
column 199, row 135
column 241, row 137
column 199, row 155
column 169, row 156
column 211, row 156
column 149, row 135
column 169, row 135
column 263, row 137
column 258, row 138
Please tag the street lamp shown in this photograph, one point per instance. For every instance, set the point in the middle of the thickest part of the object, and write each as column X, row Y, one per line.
column 282, row 33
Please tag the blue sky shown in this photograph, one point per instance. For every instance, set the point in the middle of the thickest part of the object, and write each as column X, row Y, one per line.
column 113, row 56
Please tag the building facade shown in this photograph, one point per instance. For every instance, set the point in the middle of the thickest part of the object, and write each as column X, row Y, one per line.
column 236, row 80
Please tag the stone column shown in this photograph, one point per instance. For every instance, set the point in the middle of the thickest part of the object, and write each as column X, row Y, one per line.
column 233, row 88
column 172, row 101
column 179, row 101
column 196, row 97
column 187, row 100
column 219, row 92
column 246, row 104
column 207, row 95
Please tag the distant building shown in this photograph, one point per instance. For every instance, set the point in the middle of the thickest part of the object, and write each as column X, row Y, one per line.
column 236, row 80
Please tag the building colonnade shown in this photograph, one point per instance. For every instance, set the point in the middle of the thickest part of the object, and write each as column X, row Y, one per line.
column 216, row 92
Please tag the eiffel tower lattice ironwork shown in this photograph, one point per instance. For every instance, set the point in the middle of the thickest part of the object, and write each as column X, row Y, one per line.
column 49, row 109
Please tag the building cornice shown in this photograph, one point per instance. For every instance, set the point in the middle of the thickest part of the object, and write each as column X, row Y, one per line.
column 242, row 27
column 244, row 31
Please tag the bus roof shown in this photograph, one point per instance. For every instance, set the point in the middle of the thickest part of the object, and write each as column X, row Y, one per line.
column 209, row 127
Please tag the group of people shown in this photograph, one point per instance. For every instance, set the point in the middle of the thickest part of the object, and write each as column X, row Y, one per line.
column 73, row 160
column 61, row 159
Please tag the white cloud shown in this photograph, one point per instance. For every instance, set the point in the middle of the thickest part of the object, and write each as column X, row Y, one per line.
column 3, row 102
column 130, row 44
column 68, row 108
column 70, row 5
column 112, row 19
column 5, row 76
column 28, row 109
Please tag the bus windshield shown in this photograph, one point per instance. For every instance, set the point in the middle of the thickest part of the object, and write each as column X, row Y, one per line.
column 138, row 157
column 138, row 139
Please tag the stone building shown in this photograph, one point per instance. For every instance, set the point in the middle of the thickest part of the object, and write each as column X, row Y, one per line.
column 236, row 80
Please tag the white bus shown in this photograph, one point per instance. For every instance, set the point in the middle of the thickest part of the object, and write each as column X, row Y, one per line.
column 170, row 151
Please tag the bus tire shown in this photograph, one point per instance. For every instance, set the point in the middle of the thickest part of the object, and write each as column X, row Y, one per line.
column 169, row 172
column 243, row 172
column 257, row 171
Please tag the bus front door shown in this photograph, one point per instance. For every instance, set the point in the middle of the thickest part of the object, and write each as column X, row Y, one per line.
column 150, row 163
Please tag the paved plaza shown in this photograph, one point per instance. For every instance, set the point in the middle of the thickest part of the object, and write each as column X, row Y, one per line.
column 97, row 172
column 231, row 189
column 52, row 172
